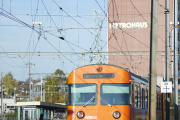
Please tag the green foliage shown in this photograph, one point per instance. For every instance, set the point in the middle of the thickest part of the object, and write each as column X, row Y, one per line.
column 59, row 72
column 51, row 86
column 38, row 98
column 11, row 114
column 9, row 84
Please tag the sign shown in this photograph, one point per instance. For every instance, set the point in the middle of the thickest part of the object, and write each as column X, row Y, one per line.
column 29, row 108
column 96, row 76
column 166, row 87
column 128, row 25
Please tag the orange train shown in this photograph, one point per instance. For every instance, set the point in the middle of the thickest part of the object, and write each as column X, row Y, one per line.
column 107, row 92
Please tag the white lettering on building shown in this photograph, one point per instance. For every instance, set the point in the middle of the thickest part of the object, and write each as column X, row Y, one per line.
column 128, row 25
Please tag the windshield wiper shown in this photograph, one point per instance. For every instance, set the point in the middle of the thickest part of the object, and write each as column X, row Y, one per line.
column 106, row 102
column 89, row 101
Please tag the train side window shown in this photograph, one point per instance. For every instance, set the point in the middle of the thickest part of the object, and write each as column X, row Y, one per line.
column 160, row 102
column 156, row 101
column 135, row 97
column 139, row 97
column 146, row 100
column 143, row 99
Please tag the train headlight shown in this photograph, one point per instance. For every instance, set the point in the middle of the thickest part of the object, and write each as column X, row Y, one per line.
column 116, row 114
column 80, row 114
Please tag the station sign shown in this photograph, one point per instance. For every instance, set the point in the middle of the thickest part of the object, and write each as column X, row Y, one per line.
column 26, row 108
column 166, row 87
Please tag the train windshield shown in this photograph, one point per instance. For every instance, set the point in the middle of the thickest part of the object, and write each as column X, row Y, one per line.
column 115, row 94
column 82, row 94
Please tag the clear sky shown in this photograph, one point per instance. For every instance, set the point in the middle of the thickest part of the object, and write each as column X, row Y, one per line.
column 75, row 21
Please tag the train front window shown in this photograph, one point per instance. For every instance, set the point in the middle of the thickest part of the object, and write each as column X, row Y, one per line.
column 82, row 94
column 115, row 94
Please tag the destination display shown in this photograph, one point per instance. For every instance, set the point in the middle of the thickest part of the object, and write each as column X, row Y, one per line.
column 96, row 76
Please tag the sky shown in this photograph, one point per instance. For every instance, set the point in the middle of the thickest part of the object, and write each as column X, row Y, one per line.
column 66, row 29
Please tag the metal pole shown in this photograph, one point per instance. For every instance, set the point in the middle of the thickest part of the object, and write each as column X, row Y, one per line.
column 167, row 60
column 83, row 57
column 41, row 88
column 167, row 41
column 1, row 96
column 39, row 37
column 175, row 59
column 29, row 81
column 64, row 93
column 14, row 95
column 153, row 60
column 44, row 95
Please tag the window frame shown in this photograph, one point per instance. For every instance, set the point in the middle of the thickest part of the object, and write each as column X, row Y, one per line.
column 101, row 98
column 71, row 95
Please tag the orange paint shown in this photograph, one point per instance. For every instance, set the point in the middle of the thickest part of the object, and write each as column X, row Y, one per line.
column 98, row 111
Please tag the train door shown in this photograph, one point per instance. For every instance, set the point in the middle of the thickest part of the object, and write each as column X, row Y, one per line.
column 144, row 102
column 143, row 89
column 132, row 105
column 135, row 101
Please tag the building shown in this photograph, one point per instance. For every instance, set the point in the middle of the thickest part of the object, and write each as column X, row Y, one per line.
column 8, row 108
column 129, row 35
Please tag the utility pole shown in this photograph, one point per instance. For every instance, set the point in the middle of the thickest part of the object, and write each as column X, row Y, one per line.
column 41, row 88
column 97, row 37
column 64, row 93
column 83, row 57
column 30, row 83
column 175, row 59
column 1, row 96
column 30, row 80
column 44, row 94
column 153, row 60
column 38, row 23
column 167, row 58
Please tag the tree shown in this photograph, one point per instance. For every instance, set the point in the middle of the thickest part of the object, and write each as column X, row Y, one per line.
column 38, row 98
column 52, row 83
column 9, row 84
column 59, row 72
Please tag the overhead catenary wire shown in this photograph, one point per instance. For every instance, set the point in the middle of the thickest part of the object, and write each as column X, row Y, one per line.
column 21, row 22
column 73, row 18
column 69, row 42
column 10, row 59
column 123, row 30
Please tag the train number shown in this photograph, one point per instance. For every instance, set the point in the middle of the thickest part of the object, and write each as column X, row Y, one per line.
column 90, row 117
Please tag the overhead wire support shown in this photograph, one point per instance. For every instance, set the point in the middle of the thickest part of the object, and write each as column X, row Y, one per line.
column 97, row 37
column 30, row 80
column 167, row 58
column 153, row 61
column 175, row 63
column 38, row 23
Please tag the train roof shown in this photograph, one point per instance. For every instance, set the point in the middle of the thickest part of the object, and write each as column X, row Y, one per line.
column 135, row 78
column 139, row 79
column 127, row 69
